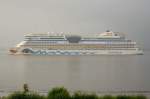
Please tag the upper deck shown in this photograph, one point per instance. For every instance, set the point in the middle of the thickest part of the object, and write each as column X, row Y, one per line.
column 108, row 35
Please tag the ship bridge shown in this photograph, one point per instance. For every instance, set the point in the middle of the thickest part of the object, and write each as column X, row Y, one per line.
column 73, row 38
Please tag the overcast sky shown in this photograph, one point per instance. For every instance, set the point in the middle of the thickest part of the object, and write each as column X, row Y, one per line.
column 18, row 17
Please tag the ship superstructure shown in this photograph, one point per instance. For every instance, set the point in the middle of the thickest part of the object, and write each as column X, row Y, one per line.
column 68, row 44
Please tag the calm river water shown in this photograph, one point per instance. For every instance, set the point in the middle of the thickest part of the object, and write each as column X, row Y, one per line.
column 88, row 73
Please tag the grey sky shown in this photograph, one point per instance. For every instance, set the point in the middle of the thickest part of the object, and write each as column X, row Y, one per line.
column 18, row 17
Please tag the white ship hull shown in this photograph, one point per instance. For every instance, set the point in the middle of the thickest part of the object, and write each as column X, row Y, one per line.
column 107, row 43
column 83, row 52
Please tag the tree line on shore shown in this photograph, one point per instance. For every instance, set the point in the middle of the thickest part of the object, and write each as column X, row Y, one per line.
column 62, row 93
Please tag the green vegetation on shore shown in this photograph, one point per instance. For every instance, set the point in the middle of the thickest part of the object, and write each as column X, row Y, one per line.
column 62, row 93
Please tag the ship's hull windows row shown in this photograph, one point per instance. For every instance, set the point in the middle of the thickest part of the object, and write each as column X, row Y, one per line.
column 77, row 47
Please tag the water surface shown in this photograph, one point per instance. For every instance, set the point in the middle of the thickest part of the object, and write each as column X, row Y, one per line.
column 87, row 73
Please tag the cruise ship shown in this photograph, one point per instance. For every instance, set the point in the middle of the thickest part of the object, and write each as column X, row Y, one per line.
column 106, row 43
